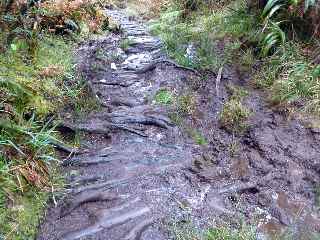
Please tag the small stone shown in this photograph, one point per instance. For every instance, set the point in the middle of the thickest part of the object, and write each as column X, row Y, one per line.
column 113, row 66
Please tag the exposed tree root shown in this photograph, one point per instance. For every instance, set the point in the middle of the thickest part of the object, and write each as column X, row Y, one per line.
column 238, row 188
column 66, row 149
column 81, row 163
column 178, row 66
column 105, row 185
column 153, row 65
column 105, row 222
column 139, row 115
column 123, row 102
column 120, row 84
column 137, row 231
column 104, row 130
column 85, row 197
column 87, row 179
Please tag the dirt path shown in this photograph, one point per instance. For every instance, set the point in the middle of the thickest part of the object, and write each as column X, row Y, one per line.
column 142, row 174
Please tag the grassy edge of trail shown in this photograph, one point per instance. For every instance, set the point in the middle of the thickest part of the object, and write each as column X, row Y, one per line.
column 33, row 92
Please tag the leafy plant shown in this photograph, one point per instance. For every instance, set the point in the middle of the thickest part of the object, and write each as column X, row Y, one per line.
column 275, row 37
column 271, row 8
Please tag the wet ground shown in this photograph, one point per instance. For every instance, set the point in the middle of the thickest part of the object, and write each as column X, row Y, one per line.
column 142, row 172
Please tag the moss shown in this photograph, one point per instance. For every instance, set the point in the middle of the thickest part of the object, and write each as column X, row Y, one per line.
column 187, row 231
column 164, row 97
column 25, row 216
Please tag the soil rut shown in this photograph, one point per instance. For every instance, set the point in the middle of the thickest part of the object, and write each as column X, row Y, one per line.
column 141, row 173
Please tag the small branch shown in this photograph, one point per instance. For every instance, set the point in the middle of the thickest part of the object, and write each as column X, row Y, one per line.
column 218, row 80
column 241, row 187
column 178, row 66
column 95, row 196
column 66, row 149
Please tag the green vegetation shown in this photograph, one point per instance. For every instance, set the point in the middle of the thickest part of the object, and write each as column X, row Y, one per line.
column 188, row 232
column 291, row 77
column 233, row 115
column 234, row 112
column 125, row 44
column 234, row 148
column 38, row 80
column 205, row 28
column 31, row 90
column 281, row 36
column 164, row 97
column 224, row 233
column 196, row 136
column 186, row 104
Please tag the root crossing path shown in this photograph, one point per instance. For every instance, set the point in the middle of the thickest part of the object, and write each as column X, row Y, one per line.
column 141, row 176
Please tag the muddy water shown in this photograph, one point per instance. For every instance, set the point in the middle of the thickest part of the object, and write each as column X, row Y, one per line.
column 141, row 173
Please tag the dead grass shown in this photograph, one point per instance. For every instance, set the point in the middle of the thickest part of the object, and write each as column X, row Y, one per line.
column 148, row 9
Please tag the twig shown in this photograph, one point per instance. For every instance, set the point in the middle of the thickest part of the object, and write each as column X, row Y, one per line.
column 178, row 66
column 66, row 149
column 218, row 79
column 237, row 188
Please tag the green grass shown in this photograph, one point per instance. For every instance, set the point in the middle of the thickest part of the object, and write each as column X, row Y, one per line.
column 207, row 29
column 186, row 104
column 233, row 116
column 164, row 97
column 229, row 33
column 234, row 112
column 125, row 44
column 224, row 233
column 186, row 231
column 197, row 136
column 31, row 90
column 291, row 78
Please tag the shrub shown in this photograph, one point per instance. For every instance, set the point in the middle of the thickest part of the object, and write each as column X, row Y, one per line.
column 20, row 20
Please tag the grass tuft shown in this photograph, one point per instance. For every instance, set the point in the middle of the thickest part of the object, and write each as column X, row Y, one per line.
column 186, row 104
column 234, row 112
column 125, row 44
column 32, row 90
column 233, row 116
column 164, row 97
column 224, row 233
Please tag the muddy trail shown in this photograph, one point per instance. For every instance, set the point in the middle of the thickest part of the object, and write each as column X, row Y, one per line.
column 140, row 175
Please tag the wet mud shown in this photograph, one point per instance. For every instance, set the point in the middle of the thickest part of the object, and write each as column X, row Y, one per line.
column 142, row 170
